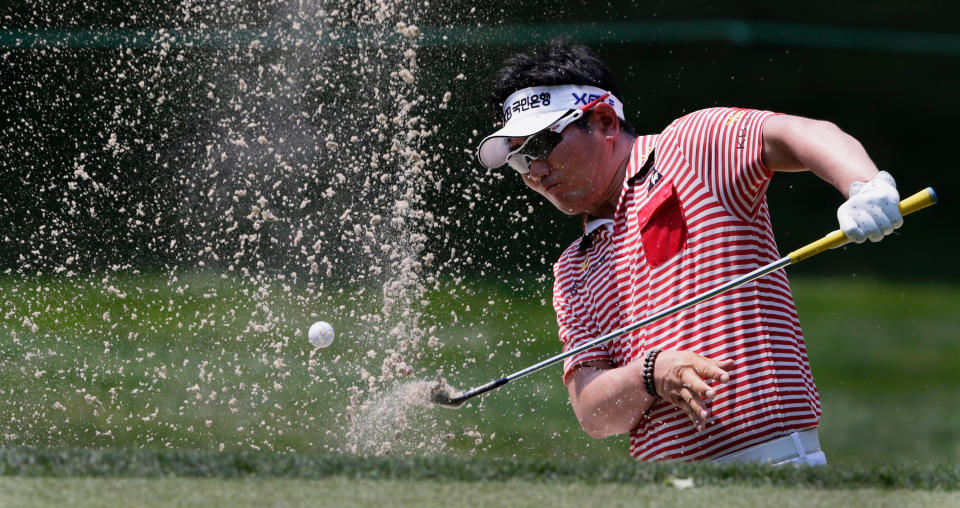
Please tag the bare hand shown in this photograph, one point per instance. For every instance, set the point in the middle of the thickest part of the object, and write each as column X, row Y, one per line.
column 680, row 378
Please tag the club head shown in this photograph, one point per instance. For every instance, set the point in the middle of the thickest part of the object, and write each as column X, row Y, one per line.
column 443, row 395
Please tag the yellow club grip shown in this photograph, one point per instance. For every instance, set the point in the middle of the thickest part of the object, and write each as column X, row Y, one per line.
column 831, row 241
column 918, row 201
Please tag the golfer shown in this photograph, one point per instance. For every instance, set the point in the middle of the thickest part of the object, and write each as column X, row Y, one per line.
column 665, row 217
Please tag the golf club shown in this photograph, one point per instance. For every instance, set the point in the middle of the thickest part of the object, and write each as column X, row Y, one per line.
column 443, row 396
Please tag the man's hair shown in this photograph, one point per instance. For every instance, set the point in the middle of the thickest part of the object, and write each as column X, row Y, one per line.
column 558, row 63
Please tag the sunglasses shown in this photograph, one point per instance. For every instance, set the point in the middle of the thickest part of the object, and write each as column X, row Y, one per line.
column 540, row 145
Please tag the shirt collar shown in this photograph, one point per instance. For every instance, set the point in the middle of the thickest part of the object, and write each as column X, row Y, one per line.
column 592, row 225
column 639, row 160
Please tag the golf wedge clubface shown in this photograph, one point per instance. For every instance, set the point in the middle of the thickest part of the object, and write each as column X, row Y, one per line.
column 444, row 396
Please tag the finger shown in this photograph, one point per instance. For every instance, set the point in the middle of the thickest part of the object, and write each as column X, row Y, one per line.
column 713, row 370
column 885, row 222
column 696, row 403
column 856, row 235
column 689, row 411
column 695, row 408
column 868, row 225
column 893, row 213
column 692, row 379
column 883, row 225
column 849, row 225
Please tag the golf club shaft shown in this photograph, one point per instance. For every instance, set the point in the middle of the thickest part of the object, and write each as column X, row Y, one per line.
column 739, row 281
column 909, row 205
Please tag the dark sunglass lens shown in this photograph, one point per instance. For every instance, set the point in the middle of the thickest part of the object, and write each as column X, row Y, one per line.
column 539, row 146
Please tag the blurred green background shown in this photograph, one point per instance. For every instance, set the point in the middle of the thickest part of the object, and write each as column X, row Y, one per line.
column 886, row 73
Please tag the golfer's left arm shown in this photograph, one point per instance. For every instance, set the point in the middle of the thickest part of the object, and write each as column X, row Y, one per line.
column 793, row 143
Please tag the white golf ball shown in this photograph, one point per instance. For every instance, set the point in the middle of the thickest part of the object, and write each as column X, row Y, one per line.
column 320, row 334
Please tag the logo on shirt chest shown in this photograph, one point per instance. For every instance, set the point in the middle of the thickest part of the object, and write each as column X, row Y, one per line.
column 654, row 178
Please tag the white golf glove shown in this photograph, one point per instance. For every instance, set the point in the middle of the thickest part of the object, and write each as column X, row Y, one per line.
column 872, row 211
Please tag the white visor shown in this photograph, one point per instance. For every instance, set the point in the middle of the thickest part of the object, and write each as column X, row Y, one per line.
column 531, row 110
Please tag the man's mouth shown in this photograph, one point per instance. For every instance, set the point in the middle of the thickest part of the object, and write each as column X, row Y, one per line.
column 549, row 185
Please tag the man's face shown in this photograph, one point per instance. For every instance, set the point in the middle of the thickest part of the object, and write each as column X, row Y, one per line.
column 575, row 176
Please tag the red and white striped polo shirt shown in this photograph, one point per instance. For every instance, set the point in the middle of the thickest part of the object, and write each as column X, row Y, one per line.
column 693, row 219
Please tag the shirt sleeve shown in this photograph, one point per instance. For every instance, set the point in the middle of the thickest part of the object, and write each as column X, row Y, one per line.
column 724, row 146
column 575, row 326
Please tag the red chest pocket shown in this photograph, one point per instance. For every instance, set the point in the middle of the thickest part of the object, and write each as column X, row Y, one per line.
column 663, row 229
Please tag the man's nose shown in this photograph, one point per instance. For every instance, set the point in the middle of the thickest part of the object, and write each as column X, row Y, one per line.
column 539, row 169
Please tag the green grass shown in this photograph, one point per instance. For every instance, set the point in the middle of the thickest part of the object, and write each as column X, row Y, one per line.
column 30, row 477
column 164, row 492
column 190, row 372
column 239, row 465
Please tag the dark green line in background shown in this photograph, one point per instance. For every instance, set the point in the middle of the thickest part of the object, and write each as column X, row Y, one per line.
column 720, row 30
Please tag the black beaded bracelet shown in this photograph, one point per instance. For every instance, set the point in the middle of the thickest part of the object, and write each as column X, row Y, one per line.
column 648, row 363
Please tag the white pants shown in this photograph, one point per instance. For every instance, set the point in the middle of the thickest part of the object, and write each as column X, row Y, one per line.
column 799, row 448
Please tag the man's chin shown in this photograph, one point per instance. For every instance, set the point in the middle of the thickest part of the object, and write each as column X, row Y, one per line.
column 568, row 210
column 565, row 206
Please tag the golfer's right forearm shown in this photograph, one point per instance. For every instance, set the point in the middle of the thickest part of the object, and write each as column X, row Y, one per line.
column 609, row 401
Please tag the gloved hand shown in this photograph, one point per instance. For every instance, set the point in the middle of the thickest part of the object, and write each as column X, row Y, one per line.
column 872, row 210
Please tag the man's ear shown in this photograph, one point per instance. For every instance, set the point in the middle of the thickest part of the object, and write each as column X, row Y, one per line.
column 606, row 120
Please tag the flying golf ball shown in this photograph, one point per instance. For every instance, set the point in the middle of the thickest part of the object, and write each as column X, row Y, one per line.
column 321, row 334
